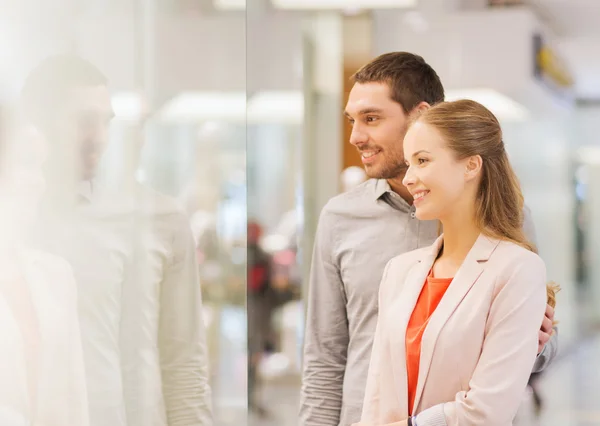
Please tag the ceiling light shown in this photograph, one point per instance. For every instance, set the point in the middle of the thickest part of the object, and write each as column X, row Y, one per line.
column 276, row 107
column 230, row 4
column 286, row 107
column 589, row 154
column 343, row 4
column 503, row 107
column 204, row 106
column 127, row 105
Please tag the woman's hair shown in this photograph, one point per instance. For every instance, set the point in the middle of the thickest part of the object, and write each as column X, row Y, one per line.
column 471, row 129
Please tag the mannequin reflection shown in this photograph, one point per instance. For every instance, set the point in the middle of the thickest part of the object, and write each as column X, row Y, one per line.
column 132, row 254
column 42, row 379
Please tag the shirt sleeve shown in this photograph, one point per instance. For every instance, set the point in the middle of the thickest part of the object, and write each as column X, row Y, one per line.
column 182, row 336
column 327, row 336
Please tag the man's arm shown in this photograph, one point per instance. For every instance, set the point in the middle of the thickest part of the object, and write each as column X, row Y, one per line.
column 548, row 342
column 326, row 337
column 548, row 336
column 182, row 337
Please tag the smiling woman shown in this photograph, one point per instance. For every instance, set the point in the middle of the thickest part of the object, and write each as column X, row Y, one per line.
column 478, row 290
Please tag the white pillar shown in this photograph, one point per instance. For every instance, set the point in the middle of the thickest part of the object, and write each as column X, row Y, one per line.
column 321, row 152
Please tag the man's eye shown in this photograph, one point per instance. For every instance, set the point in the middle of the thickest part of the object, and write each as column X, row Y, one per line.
column 371, row 119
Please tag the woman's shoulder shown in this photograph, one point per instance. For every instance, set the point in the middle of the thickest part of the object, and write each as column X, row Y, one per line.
column 513, row 261
column 512, row 254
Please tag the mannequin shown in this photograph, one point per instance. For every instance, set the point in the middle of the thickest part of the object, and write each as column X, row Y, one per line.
column 41, row 361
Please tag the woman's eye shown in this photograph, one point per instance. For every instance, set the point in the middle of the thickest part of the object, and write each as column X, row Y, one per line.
column 421, row 160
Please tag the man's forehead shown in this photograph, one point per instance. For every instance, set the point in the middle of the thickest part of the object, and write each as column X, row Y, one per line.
column 368, row 96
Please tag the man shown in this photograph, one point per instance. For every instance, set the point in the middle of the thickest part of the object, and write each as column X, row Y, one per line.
column 133, row 258
column 359, row 232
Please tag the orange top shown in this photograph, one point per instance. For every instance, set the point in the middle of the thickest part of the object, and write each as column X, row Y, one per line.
column 430, row 297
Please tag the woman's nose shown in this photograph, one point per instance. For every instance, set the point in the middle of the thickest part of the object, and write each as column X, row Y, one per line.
column 409, row 178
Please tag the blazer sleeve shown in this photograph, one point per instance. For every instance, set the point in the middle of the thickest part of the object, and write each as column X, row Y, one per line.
column 371, row 404
column 508, row 354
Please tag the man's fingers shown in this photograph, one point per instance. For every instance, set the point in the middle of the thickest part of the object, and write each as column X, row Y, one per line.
column 547, row 326
column 543, row 338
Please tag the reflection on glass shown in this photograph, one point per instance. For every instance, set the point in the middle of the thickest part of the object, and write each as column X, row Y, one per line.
column 132, row 255
column 42, row 378
column 144, row 215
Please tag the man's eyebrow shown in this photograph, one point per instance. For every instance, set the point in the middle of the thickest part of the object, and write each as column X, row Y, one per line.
column 365, row 111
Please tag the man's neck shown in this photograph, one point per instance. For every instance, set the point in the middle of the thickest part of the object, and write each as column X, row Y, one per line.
column 398, row 188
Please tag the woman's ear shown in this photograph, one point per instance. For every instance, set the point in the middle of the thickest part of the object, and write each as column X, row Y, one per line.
column 473, row 167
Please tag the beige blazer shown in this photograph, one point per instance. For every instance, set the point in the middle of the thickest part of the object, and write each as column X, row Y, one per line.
column 478, row 348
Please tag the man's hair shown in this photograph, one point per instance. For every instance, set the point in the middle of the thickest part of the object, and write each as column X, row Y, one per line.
column 410, row 78
column 49, row 83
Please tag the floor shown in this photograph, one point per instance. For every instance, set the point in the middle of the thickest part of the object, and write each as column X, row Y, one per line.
column 571, row 388
column 570, row 391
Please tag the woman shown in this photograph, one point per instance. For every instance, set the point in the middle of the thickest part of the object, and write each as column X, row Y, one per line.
column 41, row 362
column 457, row 334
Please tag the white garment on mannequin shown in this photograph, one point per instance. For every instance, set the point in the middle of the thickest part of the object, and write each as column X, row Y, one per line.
column 49, row 326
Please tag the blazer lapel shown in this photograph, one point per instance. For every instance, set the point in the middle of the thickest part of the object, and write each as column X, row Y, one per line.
column 464, row 279
column 401, row 311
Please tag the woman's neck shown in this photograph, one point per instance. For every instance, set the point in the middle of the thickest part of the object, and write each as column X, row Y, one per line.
column 460, row 234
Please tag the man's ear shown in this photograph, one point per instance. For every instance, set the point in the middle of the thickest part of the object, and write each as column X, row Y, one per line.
column 421, row 107
column 418, row 110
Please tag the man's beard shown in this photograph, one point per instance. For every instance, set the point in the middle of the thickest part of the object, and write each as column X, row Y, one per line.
column 391, row 170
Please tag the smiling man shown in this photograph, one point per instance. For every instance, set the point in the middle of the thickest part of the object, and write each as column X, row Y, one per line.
column 360, row 231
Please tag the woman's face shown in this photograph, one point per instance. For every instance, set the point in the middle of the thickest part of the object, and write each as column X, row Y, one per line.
column 439, row 183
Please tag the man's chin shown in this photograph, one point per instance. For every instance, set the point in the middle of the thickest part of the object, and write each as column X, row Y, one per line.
column 374, row 172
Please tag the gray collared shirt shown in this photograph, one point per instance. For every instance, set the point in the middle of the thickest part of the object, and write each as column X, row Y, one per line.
column 358, row 233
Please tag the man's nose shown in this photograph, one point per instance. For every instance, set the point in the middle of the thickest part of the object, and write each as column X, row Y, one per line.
column 358, row 137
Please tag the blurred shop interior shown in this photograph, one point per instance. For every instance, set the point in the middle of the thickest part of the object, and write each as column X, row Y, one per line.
column 234, row 108
column 531, row 62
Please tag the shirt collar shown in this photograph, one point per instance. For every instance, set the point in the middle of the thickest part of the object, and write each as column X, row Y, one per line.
column 381, row 187
column 383, row 190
